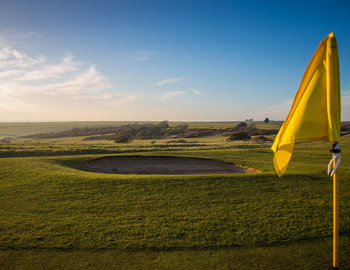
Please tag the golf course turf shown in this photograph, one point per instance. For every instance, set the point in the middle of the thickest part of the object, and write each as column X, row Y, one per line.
column 55, row 215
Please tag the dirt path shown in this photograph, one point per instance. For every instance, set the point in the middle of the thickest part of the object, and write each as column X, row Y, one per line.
column 162, row 165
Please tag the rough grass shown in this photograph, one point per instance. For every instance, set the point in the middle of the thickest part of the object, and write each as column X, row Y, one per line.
column 55, row 216
column 75, row 146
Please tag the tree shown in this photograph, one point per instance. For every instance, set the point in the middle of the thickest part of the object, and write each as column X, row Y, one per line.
column 266, row 120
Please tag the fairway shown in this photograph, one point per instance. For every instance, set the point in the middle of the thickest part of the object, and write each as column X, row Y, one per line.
column 54, row 215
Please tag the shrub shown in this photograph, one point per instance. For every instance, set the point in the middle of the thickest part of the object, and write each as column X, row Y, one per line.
column 240, row 125
column 251, row 129
column 124, row 138
column 239, row 136
column 260, row 139
column 163, row 124
column 182, row 127
column 177, row 141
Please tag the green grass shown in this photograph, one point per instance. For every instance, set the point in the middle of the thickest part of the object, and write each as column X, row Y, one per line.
column 55, row 216
column 306, row 255
column 76, row 146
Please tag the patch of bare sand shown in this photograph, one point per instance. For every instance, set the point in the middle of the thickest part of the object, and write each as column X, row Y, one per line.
column 162, row 165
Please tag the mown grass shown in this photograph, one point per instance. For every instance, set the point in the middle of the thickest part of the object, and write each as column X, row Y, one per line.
column 56, row 216
column 301, row 255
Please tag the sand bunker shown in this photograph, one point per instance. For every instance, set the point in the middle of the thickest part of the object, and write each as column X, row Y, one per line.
column 162, row 165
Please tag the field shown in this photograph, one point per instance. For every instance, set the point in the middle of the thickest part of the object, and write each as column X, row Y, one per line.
column 54, row 215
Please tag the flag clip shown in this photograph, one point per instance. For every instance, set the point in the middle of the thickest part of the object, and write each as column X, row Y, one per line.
column 336, row 156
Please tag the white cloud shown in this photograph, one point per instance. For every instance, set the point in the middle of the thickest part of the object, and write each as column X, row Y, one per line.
column 11, row 73
column 167, row 81
column 195, row 91
column 12, row 58
column 85, row 82
column 51, row 71
column 31, row 85
column 169, row 95
column 109, row 97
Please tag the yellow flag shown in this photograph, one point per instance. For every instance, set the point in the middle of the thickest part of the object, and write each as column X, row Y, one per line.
column 315, row 113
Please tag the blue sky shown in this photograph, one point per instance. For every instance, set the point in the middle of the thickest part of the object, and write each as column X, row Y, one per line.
column 156, row 60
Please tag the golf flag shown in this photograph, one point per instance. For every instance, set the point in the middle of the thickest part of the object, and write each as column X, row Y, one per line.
column 315, row 113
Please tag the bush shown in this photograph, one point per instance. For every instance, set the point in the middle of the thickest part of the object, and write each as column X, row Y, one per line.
column 239, row 136
column 182, row 127
column 124, row 138
column 163, row 124
column 177, row 141
column 265, row 132
column 260, row 139
column 240, row 125
column 251, row 129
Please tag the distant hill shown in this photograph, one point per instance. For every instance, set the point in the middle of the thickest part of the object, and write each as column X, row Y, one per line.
column 151, row 131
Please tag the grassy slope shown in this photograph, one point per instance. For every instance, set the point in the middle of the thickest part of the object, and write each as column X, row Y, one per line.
column 55, row 216
column 16, row 129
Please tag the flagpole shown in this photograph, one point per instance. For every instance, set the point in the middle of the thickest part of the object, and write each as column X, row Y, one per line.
column 335, row 218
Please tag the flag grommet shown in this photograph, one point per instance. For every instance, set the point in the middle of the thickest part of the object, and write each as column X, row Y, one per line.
column 335, row 151
column 335, row 148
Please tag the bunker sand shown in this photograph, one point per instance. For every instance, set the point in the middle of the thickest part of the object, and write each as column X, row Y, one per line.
column 162, row 165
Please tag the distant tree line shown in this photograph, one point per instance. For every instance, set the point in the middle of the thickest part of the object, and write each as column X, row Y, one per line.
column 138, row 131
column 127, row 133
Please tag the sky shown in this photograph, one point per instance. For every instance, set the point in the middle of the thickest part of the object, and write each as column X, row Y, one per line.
column 176, row 60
